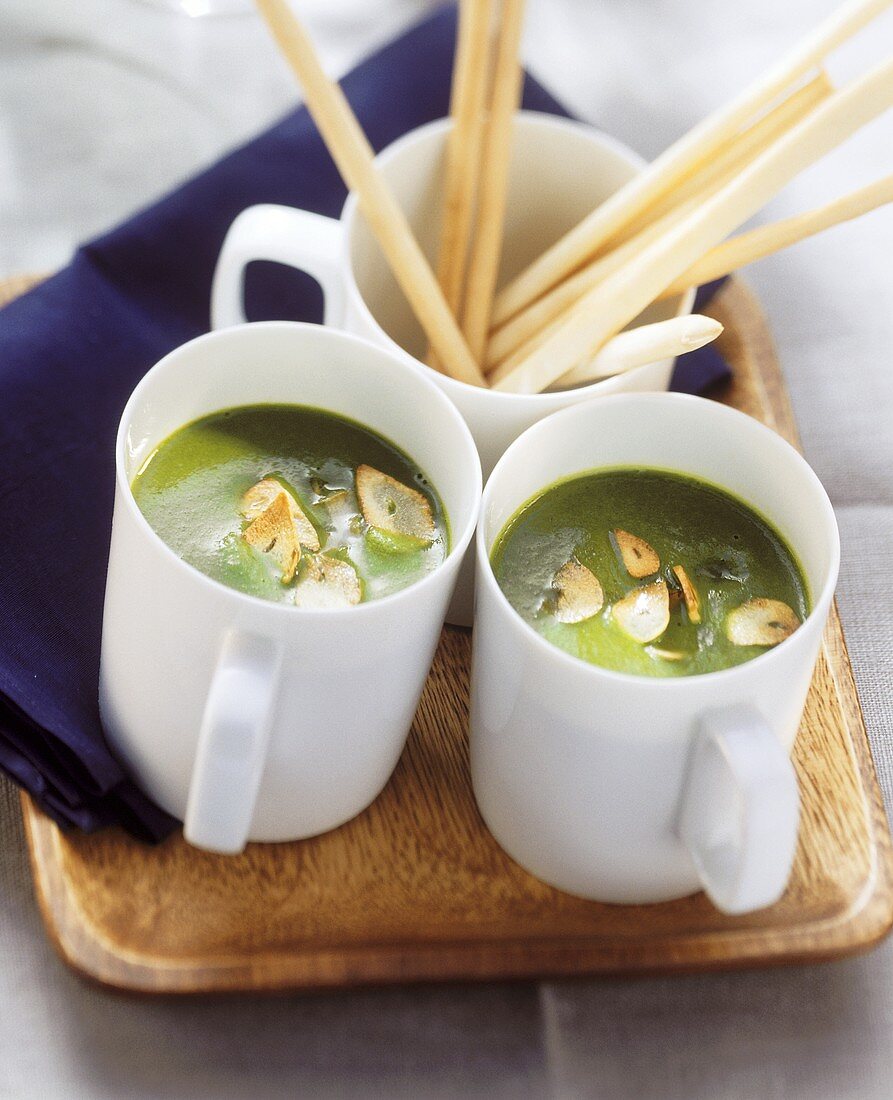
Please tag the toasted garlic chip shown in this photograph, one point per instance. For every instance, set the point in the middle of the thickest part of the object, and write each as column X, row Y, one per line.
column 667, row 654
column 340, row 508
column 273, row 532
column 328, row 583
column 580, row 594
column 392, row 506
column 332, row 497
column 761, row 622
column 645, row 613
column 260, row 496
column 639, row 559
column 692, row 602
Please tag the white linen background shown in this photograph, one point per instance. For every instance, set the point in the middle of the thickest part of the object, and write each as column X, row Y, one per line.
column 104, row 104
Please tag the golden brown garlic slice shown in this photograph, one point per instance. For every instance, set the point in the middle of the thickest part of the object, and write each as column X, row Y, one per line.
column 260, row 496
column 667, row 654
column 761, row 622
column 325, row 492
column 645, row 613
column 639, row 559
column 689, row 594
column 580, row 594
column 340, row 508
column 336, row 500
column 328, row 583
column 273, row 533
column 391, row 506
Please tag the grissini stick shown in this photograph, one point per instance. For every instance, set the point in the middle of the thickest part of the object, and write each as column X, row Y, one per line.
column 486, row 246
column 560, row 302
column 758, row 243
column 464, row 144
column 741, row 150
column 355, row 160
column 682, row 159
column 611, row 305
column 507, row 341
column 645, row 344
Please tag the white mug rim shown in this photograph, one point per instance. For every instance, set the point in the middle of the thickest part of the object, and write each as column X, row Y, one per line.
column 348, row 220
column 458, row 546
column 820, row 603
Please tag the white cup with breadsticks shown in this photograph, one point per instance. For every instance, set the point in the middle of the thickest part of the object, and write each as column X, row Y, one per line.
column 459, row 247
column 560, row 169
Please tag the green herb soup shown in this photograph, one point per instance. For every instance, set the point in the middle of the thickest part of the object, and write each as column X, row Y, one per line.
column 649, row 572
column 293, row 504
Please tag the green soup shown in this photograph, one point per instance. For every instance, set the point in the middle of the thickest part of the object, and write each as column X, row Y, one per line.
column 649, row 572
column 206, row 488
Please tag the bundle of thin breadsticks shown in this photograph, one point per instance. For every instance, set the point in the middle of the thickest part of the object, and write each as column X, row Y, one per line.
column 561, row 321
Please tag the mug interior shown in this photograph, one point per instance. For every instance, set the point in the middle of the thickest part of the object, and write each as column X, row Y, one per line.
column 282, row 362
column 560, row 171
column 681, row 434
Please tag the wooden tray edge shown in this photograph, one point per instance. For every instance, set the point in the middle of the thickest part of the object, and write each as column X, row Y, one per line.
column 92, row 957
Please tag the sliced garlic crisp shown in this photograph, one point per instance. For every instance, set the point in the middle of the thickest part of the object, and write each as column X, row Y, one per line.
column 692, row 602
column 761, row 622
column 260, row 496
column 273, row 533
column 645, row 613
column 580, row 594
column 328, row 583
column 639, row 559
column 392, row 506
column 325, row 492
column 666, row 654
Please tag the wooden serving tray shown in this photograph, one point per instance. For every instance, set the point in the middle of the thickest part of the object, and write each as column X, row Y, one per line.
column 415, row 888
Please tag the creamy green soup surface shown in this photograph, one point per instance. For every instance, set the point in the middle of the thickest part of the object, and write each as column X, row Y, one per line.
column 650, row 572
column 204, row 488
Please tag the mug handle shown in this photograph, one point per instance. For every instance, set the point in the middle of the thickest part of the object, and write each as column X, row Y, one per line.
column 232, row 744
column 310, row 242
column 740, row 811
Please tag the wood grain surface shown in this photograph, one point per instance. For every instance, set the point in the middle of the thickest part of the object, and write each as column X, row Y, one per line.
column 415, row 888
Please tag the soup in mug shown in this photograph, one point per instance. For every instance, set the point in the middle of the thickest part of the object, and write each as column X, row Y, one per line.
column 293, row 504
column 650, row 572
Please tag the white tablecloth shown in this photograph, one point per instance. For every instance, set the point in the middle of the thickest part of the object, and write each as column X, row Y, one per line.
column 106, row 103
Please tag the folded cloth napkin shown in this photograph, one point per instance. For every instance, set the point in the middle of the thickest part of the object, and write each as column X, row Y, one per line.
column 70, row 353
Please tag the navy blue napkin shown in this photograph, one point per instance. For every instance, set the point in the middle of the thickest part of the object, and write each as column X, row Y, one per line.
column 70, row 353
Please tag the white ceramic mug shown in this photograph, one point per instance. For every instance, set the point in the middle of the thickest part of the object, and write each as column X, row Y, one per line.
column 251, row 719
column 560, row 171
column 625, row 788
